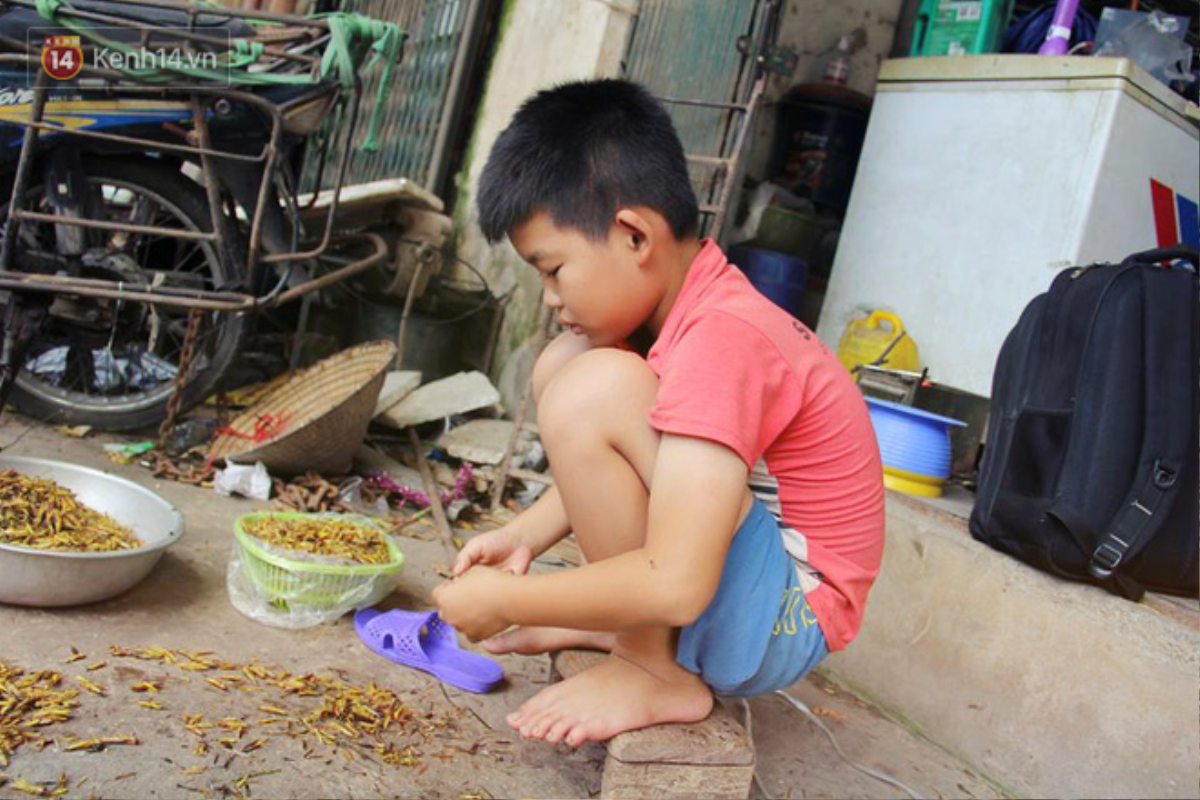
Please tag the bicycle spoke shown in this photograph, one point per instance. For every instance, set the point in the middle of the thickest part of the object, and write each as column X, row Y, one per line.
column 193, row 250
column 175, row 329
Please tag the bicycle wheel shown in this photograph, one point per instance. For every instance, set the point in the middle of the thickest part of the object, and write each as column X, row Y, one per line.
column 112, row 363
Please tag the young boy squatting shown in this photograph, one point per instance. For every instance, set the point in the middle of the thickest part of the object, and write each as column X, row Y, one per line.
column 694, row 583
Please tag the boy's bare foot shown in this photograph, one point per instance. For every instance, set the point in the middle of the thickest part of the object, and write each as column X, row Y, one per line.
column 533, row 640
column 611, row 698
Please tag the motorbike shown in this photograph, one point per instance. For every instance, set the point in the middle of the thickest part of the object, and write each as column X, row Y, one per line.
column 150, row 214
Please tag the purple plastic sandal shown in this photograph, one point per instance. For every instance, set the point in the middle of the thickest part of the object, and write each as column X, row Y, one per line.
column 420, row 639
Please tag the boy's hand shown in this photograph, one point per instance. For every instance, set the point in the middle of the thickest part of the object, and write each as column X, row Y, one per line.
column 472, row 603
column 501, row 548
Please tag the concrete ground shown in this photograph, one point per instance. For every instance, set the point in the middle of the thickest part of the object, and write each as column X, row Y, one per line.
column 460, row 744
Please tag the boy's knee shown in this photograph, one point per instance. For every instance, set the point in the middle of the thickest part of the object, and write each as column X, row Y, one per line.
column 554, row 357
column 595, row 388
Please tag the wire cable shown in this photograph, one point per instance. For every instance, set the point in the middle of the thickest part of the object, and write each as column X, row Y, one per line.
column 804, row 709
column 467, row 264
column 489, row 300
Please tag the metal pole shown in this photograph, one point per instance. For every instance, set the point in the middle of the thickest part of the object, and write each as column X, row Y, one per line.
column 169, row 5
column 464, row 62
column 106, row 225
column 547, row 319
column 24, row 167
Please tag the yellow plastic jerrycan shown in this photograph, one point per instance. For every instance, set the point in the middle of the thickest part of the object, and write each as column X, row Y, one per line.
column 881, row 334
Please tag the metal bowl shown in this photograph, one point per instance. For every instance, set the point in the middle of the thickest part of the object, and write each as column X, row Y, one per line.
column 32, row 577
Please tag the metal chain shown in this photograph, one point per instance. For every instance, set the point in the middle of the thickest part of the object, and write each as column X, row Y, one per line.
column 182, row 375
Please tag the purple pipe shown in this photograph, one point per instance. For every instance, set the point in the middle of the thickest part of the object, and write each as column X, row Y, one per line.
column 1058, row 38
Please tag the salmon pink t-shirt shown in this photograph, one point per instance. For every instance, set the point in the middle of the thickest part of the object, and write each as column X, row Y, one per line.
column 737, row 370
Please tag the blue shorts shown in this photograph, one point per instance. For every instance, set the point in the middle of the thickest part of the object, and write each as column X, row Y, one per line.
column 758, row 634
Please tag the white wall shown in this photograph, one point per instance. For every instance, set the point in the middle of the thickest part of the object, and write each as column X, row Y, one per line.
column 545, row 42
column 542, row 43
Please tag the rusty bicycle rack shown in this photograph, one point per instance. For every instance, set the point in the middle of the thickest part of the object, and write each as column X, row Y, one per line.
column 198, row 144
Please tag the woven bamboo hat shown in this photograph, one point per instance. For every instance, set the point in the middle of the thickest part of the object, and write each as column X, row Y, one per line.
column 316, row 420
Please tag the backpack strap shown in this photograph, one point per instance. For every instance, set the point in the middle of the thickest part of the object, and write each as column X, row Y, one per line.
column 1174, row 252
column 1169, row 321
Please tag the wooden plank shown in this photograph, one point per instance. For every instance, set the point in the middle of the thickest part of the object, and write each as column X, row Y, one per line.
column 711, row 758
column 718, row 740
column 435, row 502
column 622, row 781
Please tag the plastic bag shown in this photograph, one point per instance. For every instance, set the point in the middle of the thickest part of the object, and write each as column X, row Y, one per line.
column 1154, row 41
column 350, row 493
column 294, row 599
column 249, row 481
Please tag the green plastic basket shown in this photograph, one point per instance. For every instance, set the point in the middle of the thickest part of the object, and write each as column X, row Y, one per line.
column 293, row 585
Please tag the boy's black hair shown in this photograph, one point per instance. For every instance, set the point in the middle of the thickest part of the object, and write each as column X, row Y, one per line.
column 580, row 151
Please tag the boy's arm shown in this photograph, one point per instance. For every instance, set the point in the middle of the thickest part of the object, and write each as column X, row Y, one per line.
column 696, row 498
column 543, row 523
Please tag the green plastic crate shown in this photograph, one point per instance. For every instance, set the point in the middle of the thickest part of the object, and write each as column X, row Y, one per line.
column 960, row 27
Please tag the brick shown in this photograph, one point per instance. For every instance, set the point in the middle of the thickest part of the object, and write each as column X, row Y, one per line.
column 711, row 758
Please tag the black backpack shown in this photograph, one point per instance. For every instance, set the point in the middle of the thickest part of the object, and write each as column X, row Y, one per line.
column 1091, row 469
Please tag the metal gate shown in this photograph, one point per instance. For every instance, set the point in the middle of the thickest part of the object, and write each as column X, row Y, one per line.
column 420, row 110
column 687, row 53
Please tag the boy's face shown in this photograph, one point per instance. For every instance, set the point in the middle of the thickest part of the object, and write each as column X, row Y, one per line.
column 599, row 289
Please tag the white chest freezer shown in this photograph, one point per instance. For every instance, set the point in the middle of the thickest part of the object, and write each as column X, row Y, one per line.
column 982, row 176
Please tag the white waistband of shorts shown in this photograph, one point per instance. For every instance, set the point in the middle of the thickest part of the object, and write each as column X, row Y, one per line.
column 806, row 574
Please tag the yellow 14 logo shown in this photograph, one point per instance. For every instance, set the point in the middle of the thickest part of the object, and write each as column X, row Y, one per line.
column 62, row 57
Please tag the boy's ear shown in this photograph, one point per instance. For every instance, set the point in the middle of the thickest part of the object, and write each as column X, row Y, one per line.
column 637, row 231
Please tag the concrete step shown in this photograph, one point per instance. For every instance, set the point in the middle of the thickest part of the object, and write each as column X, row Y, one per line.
column 1049, row 688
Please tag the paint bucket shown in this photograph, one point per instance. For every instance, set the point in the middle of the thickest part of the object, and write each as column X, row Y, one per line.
column 431, row 346
column 777, row 275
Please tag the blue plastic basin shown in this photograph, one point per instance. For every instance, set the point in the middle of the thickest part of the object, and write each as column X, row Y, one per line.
column 911, row 439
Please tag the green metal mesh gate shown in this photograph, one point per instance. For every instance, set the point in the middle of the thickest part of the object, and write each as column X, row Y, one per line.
column 413, row 135
column 688, row 50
